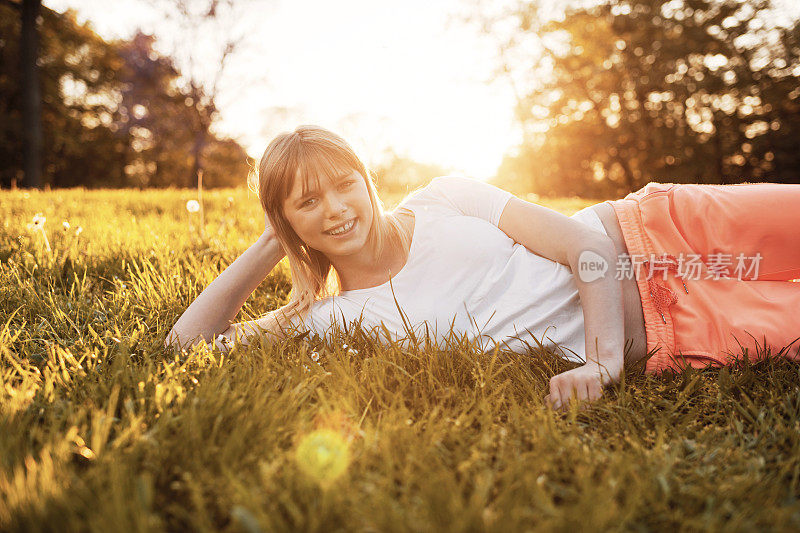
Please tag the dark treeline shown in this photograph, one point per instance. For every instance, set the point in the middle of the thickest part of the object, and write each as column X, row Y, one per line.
column 702, row 91
column 113, row 114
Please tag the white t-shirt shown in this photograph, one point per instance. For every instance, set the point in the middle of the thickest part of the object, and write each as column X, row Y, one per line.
column 462, row 270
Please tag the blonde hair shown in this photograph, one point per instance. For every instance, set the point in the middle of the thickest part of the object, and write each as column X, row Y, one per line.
column 309, row 153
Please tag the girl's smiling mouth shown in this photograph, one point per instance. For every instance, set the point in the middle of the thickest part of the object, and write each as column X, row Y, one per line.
column 342, row 229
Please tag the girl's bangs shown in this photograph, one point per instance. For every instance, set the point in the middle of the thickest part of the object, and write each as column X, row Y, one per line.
column 316, row 162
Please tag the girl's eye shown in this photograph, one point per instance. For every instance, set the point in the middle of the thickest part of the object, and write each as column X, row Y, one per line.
column 307, row 202
column 348, row 183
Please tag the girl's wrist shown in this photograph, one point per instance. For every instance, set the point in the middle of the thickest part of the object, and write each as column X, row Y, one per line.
column 269, row 243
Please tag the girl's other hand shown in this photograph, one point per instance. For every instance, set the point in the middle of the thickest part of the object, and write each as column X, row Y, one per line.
column 269, row 232
column 269, row 238
column 584, row 383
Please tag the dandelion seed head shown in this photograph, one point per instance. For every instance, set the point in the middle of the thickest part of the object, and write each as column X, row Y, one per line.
column 193, row 206
column 78, row 230
column 65, row 225
column 38, row 220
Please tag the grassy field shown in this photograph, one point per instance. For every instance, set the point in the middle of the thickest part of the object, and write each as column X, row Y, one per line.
column 103, row 429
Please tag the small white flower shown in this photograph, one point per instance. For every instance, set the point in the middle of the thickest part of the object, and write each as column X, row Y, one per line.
column 306, row 369
column 352, row 352
column 78, row 230
column 230, row 200
column 65, row 225
column 314, row 356
column 193, row 206
column 222, row 339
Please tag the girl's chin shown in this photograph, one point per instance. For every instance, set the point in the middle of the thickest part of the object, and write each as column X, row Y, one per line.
column 348, row 247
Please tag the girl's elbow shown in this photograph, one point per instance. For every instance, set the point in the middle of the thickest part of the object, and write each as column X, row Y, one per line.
column 593, row 251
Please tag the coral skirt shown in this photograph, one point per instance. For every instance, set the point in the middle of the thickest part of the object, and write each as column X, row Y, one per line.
column 713, row 265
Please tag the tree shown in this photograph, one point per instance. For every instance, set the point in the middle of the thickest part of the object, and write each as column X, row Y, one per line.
column 649, row 90
column 32, row 114
column 28, row 37
column 114, row 113
column 160, row 116
column 202, row 22
column 76, row 71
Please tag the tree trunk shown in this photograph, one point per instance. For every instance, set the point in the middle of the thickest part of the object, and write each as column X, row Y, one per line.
column 31, row 95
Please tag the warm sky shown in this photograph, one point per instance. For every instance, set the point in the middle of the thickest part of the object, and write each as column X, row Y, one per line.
column 381, row 73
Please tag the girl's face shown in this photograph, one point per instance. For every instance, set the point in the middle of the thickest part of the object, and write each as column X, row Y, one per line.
column 333, row 216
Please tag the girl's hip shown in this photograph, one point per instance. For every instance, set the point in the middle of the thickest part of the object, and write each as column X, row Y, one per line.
column 694, row 247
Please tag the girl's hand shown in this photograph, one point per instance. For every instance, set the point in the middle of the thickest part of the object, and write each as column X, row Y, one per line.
column 268, row 238
column 584, row 383
column 269, row 232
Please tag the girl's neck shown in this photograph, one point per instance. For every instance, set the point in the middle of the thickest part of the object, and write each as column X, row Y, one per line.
column 368, row 269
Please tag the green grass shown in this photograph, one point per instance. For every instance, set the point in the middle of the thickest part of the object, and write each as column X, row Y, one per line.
column 103, row 429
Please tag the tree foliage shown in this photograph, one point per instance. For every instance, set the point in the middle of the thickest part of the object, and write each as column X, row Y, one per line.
column 114, row 114
column 701, row 91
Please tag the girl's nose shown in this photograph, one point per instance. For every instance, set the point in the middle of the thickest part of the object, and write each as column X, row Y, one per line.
column 335, row 205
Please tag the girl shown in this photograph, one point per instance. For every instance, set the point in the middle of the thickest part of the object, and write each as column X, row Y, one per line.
column 609, row 285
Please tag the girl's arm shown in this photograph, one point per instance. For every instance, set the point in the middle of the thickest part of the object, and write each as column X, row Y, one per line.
column 569, row 242
column 212, row 312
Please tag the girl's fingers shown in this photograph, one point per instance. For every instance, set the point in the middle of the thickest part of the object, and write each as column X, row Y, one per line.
column 597, row 391
column 564, row 389
column 563, row 399
column 554, row 398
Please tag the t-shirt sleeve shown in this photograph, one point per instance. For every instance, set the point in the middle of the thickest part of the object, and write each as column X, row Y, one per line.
column 472, row 197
